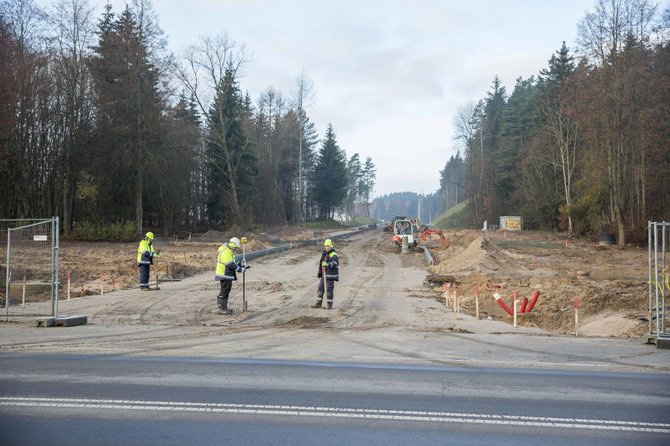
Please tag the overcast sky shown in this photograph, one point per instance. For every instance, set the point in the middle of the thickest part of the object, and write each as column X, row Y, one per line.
column 388, row 74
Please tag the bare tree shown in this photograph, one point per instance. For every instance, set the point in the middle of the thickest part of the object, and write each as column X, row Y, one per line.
column 202, row 72
column 605, row 36
column 301, row 99
column 72, row 21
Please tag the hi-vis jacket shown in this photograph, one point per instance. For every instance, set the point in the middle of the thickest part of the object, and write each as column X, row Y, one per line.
column 226, row 264
column 145, row 253
column 333, row 268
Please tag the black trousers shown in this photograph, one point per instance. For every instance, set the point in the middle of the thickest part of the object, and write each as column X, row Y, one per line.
column 226, row 286
column 145, row 271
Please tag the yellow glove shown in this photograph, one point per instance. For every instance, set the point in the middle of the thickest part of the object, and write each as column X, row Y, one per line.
column 324, row 264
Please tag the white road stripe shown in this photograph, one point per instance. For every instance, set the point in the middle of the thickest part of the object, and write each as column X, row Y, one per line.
column 309, row 411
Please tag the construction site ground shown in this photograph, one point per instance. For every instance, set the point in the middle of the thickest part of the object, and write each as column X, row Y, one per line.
column 385, row 310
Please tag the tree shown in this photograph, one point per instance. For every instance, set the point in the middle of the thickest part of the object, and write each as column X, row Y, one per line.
column 130, row 107
column 74, row 34
column 354, row 179
column 452, row 183
column 28, row 177
column 558, row 111
column 368, row 183
column 330, row 175
column 614, row 101
column 209, row 74
column 228, row 151
column 306, row 137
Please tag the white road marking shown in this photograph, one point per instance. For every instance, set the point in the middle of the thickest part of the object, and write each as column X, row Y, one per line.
column 309, row 411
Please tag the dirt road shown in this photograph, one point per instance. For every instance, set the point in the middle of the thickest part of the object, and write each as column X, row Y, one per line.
column 383, row 312
column 378, row 288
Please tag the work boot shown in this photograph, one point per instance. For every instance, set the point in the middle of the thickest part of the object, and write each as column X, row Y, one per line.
column 330, row 305
column 318, row 304
column 223, row 306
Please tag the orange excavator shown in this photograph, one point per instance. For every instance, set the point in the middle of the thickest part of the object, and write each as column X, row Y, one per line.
column 426, row 232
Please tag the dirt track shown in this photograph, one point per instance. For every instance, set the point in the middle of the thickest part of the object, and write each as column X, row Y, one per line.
column 384, row 312
column 381, row 288
column 378, row 288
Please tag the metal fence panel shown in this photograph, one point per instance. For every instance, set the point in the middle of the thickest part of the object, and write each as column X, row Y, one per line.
column 31, row 267
column 659, row 277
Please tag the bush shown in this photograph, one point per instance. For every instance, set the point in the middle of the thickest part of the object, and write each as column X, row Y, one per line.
column 120, row 231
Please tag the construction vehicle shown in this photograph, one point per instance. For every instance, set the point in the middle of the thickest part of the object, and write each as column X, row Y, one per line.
column 403, row 227
column 426, row 232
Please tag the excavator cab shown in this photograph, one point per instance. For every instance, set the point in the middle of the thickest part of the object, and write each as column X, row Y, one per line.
column 404, row 228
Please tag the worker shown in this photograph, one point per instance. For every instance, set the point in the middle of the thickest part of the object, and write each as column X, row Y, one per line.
column 330, row 265
column 145, row 258
column 227, row 268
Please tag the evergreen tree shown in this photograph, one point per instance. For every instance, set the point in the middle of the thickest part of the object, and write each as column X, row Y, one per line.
column 452, row 183
column 517, row 126
column 229, row 160
column 129, row 117
column 354, row 177
column 367, row 185
column 330, row 176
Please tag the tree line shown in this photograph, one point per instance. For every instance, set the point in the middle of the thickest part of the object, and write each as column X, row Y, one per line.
column 102, row 127
column 584, row 146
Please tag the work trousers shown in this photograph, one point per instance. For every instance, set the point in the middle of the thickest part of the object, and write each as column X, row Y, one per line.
column 145, row 270
column 330, row 290
column 226, row 286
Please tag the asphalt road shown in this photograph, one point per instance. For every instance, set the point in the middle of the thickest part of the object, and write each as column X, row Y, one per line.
column 117, row 399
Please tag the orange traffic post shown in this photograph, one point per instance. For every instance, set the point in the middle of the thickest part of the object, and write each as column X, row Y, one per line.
column 68, row 286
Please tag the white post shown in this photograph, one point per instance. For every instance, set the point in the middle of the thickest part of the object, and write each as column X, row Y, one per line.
column 457, row 296
column 515, row 305
column 577, row 316
column 23, row 301
column 68, row 285
column 477, row 303
column 454, row 298
column 244, row 264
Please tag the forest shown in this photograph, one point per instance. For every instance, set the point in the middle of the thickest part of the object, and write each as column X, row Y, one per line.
column 583, row 146
column 101, row 126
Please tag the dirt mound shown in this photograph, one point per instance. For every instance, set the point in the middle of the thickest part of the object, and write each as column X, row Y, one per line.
column 608, row 282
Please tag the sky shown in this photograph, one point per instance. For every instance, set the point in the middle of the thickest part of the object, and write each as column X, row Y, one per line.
column 389, row 75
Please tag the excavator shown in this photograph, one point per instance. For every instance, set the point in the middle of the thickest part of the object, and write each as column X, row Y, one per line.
column 404, row 227
column 426, row 232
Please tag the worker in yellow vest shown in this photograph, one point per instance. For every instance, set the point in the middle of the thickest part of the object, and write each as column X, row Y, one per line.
column 145, row 258
column 329, row 273
column 227, row 268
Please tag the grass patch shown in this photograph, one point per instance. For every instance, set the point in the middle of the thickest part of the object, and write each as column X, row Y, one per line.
column 454, row 217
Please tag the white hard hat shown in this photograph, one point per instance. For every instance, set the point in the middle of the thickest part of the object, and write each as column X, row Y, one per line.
column 235, row 241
